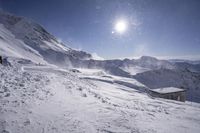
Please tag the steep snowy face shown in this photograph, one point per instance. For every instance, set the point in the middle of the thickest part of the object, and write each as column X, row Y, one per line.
column 35, row 38
column 11, row 46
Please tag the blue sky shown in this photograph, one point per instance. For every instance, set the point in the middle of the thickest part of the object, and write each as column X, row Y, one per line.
column 161, row 28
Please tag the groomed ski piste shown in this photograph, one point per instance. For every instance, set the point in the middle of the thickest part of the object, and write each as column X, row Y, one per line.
column 47, row 99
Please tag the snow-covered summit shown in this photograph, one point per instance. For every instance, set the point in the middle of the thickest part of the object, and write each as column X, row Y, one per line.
column 34, row 39
column 154, row 63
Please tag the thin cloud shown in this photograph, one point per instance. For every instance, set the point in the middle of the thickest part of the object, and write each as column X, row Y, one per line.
column 95, row 56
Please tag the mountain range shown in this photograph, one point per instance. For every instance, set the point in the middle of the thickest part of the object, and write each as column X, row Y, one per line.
column 48, row 87
column 23, row 38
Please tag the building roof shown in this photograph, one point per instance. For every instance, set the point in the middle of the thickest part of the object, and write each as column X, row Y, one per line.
column 167, row 90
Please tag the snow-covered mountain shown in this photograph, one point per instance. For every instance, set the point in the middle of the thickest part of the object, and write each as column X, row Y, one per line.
column 184, row 79
column 126, row 67
column 47, row 99
column 21, row 37
column 103, row 96
column 193, row 66
column 153, row 63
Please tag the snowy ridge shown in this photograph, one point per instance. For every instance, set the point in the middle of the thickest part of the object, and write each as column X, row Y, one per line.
column 153, row 63
column 48, row 99
column 22, row 38
column 45, row 48
column 10, row 46
column 35, row 40
column 173, row 78
column 46, row 87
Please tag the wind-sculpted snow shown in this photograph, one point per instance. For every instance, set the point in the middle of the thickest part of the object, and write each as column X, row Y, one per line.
column 48, row 99
column 39, row 95
column 20, row 37
column 10, row 46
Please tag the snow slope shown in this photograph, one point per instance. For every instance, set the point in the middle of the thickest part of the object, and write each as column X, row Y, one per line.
column 133, row 70
column 21, row 37
column 47, row 99
column 173, row 78
column 11, row 46
column 37, row 93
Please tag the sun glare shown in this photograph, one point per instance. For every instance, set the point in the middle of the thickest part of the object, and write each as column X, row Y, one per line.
column 121, row 26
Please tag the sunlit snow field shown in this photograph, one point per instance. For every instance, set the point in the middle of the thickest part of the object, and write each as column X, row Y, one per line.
column 47, row 99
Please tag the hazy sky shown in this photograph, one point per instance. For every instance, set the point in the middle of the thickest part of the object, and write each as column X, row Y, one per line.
column 162, row 28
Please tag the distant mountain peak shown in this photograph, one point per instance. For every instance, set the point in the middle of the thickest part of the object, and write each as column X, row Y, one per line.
column 148, row 58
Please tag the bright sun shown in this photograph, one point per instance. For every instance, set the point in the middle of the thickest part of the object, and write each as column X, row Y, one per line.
column 121, row 26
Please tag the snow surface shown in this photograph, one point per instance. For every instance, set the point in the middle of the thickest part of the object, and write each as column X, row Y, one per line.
column 47, row 99
column 167, row 90
column 100, row 75
column 10, row 46
column 39, row 97
column 133, row 70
